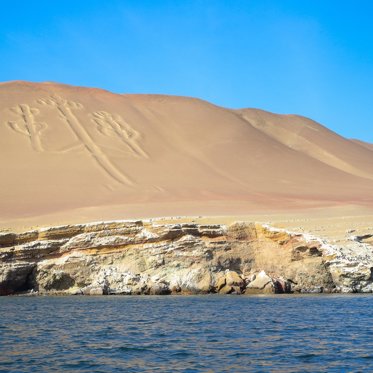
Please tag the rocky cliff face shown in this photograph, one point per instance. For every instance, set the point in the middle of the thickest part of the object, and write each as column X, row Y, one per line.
column 142, row 257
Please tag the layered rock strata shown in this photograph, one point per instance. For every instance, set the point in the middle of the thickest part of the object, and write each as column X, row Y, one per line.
column 144, row 257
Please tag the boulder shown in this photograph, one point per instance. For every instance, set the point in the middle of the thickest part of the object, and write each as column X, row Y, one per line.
column 220, row 283
column 176, row 289
column 94, row 290
column 227, row 289
column 263, row 284
column 233, row 279
column 204, row 285
column 282, row 286
column 268, row 289
column 159, row 288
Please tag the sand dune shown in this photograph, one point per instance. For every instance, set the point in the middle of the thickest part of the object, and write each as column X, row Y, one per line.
column 363, row 143
column 70, row 153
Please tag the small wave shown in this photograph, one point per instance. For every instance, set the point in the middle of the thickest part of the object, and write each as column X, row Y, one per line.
column 307, row 356
column 135, row 348
column 181, row 354
column 240, row 354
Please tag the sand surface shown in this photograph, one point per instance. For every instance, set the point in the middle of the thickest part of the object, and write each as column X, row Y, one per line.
column 72, row 154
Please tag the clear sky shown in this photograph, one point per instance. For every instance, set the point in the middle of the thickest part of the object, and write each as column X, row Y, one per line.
column 308, row 57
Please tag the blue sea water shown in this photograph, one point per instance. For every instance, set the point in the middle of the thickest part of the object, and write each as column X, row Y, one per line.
column 187, row 334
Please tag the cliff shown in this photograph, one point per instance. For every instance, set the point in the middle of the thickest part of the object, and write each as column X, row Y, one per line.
column 145, row 257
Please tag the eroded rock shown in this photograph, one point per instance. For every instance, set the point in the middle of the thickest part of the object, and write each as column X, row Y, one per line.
column 262, row 284
column 135, row 257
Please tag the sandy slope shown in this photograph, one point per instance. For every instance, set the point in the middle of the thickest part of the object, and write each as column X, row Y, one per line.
column 72, row 154
column 363, row 143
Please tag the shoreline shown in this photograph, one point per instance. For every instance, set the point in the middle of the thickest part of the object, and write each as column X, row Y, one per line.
column 155, row 257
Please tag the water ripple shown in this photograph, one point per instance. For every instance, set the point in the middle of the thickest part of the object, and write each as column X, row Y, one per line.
column 186, row 334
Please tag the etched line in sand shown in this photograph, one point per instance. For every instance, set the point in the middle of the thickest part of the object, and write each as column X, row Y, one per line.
column 65, row 109
column 27, row 125
column 67, row 149
column 111, row 125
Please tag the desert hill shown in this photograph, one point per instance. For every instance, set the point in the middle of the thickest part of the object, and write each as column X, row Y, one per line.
column 79, row 153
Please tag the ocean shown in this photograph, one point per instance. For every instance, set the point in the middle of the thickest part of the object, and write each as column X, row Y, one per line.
column 210, row 333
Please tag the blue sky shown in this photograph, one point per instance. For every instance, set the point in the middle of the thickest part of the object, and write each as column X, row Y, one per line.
column 308, row 57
